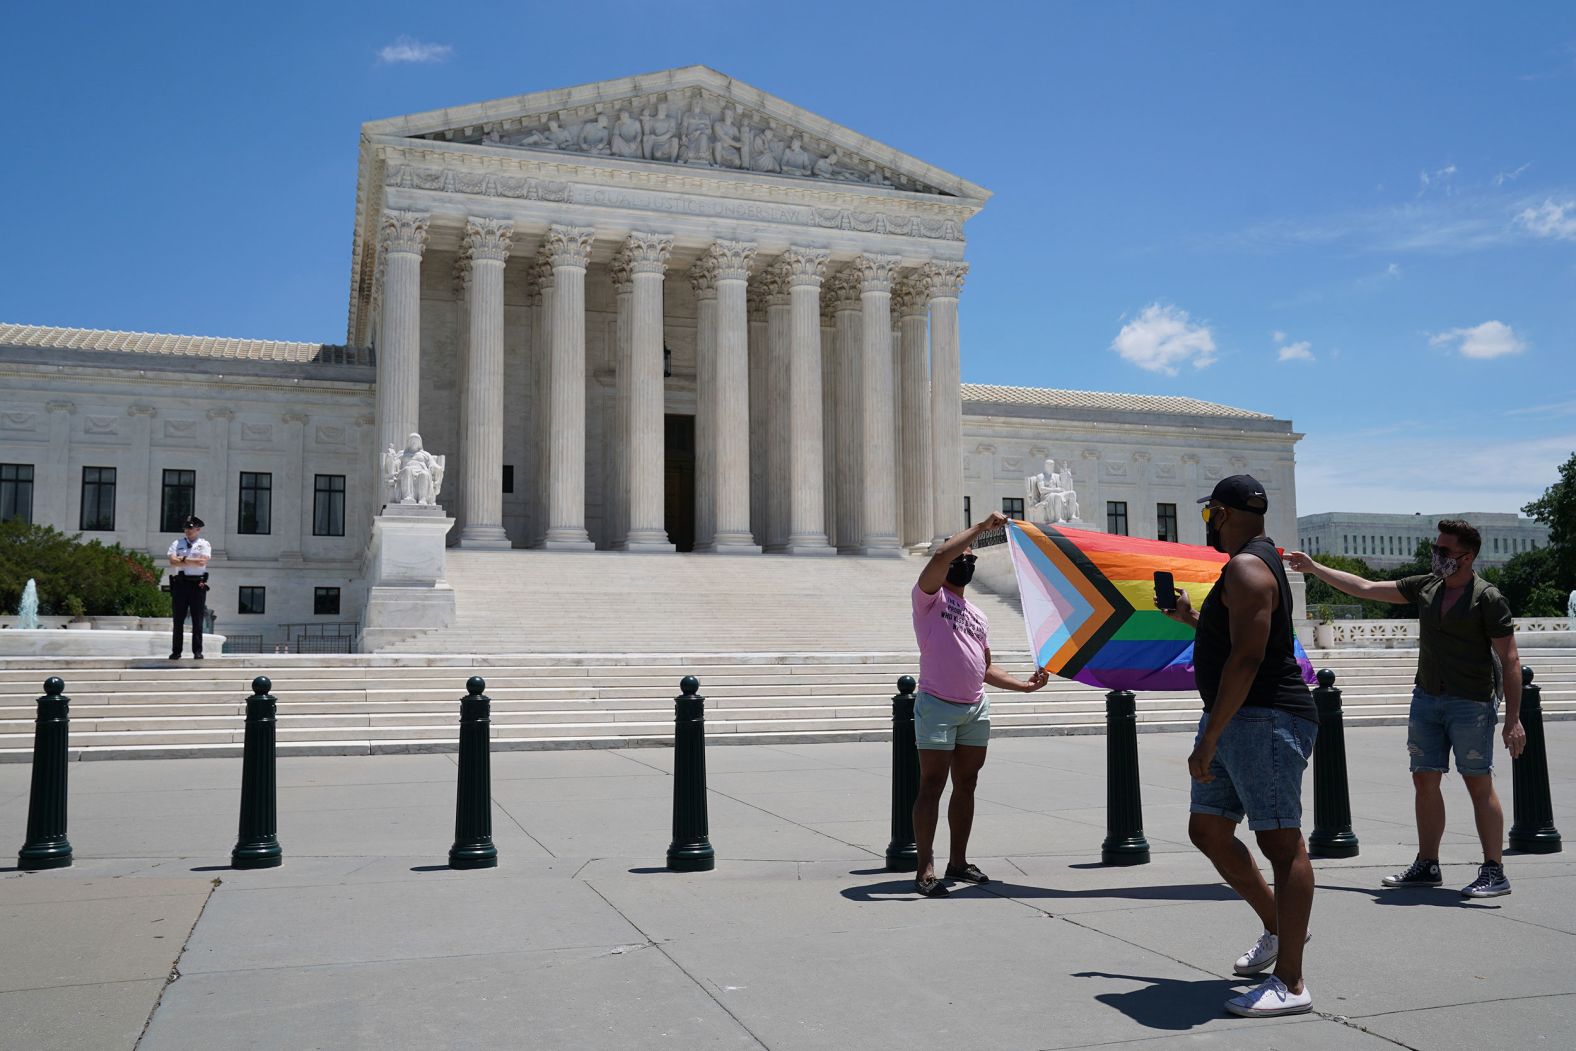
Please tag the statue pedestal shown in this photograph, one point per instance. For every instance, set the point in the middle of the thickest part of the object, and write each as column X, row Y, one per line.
column 405, row 564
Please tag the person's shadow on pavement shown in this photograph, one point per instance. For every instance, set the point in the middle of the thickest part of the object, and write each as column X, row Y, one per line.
column 903, row 887
column 1438, row 897
column 1167, row 1003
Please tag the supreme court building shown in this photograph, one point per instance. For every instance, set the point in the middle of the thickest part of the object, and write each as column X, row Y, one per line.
column 663, row 313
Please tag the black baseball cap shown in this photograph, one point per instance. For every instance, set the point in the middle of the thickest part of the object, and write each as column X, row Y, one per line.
column 192, row 522
column 1241, row 492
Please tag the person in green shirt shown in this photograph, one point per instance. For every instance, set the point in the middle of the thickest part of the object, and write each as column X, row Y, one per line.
column 1465, row 637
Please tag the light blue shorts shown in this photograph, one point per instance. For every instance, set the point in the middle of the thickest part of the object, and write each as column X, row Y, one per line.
column 1258, row 769
column 1439, row 724
column 943, row 725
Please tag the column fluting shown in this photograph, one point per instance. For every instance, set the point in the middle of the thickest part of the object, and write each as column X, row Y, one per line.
column 910, row 297
column 843, row 290
column 485, row 247
column 732, row 399
column 945, row 284
column 806, row 508
column 402, row 238
column 878, row 517
column 647, row 258
column 568, row 251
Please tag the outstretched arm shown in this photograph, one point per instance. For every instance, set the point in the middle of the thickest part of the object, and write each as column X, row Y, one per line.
column 999, row 677
column 935, row 572
column 1350, row 583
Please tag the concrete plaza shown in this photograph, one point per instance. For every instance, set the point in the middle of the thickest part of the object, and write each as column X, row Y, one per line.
column 579, row 939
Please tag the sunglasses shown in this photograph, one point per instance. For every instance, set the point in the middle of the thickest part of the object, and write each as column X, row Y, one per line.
column 1445, row 552
column 1208, row 511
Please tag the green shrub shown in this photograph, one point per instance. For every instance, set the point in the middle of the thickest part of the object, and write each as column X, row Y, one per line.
column 107, row 579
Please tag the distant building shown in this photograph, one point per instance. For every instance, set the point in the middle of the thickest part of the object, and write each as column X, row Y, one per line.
column 1387, row 541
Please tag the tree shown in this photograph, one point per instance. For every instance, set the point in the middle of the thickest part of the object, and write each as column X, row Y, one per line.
column 1527, row 582
column 1556, row 508
column 107, row 579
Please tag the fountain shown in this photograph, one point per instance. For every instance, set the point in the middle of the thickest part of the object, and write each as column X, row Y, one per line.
column 27, row 609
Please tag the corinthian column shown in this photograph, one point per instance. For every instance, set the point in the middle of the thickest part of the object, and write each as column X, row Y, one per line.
column 568, row 249
column 730, row 266
column 618, row 441
column 909, row 299
column 541, row 398
column 878, row 520
column 806, row 509
column 646, row 255
column 778, row 324
column 485, row 247
column 401, row 238
column 755, row 310
column 944, row 285
column 703, row 279
column 843, row 290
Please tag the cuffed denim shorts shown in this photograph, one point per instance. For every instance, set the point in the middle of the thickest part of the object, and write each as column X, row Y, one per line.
column 1258, row 769
column 1439, row 723
column 943, row 725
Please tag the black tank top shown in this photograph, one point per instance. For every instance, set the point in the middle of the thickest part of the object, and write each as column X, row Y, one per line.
column 1279, row 682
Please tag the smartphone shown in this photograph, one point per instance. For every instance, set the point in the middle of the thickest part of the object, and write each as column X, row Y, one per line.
column 1165, row 591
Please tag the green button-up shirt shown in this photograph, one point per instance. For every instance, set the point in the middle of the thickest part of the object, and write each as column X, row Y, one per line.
column 1455, row 656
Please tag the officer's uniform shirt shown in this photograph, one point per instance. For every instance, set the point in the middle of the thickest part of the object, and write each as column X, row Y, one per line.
column 182, row 546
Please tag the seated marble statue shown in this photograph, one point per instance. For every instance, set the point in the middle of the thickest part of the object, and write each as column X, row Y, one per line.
column 727, row 147
column 559, row 137
column 416, row 475
column 660, row 141
column 595, row 136
column 1570, row 610
column 1048, row 498
column 697, row 137
column 626, row 135
column 763, row 154
column 796, row 161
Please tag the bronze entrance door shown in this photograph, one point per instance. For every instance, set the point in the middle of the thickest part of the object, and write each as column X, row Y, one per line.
column 679, row 483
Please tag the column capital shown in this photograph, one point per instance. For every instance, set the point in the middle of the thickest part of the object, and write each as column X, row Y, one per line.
column 622, row 275
column 841, row 291
column 403, row 232
column 910, row 293
column 542, row 271
column 462, row 273
column 703, row 277
column 874, row 272
column 755, row 297
column 944, row 280
column 804, row 266
column 775, row 282
column 646, row 253
column 486, row 239
column 733, row 259
column 568, row 246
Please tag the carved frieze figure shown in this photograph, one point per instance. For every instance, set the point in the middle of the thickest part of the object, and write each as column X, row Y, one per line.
column 535, row 137
column 492, row 138
column 696, row 141
column 626, row 136
column 417, row 477
column 660, row 142
column 595, row 136
column 559, row 137
column 728, row 149
column 796, row 160
column 764, row 149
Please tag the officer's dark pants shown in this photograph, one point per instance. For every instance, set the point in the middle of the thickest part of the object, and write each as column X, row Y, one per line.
column 186, row 596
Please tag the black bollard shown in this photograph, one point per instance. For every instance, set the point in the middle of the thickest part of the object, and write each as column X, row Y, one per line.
column 901, row 854
column 47, row 846
column 1332, row 802
column 1124, row 805
column 1533, row 831
column 473, row 843
column 690, row 850
column 257, row 845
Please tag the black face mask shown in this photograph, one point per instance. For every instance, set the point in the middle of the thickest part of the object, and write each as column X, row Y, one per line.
column 1212, row 533
column 961, row 572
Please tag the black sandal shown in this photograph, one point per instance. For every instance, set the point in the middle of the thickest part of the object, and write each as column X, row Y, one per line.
column 931, row 887
column 968, row 874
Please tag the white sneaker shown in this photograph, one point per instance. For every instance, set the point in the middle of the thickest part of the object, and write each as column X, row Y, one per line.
column 1270, row 999
column 1264, row 953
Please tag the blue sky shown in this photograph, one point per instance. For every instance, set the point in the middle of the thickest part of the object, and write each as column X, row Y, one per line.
column 1360, row 217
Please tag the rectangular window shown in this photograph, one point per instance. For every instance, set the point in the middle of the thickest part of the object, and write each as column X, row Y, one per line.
column 178, row 501
column 98, row 499
column 257, row 499
column 1116, row 517
column 16, row 492
column 508, row 477
column 1166, row 522
column 328, row 505
column 1012, row 507
column 968, row 514
column 251, row 600
column 325, row 602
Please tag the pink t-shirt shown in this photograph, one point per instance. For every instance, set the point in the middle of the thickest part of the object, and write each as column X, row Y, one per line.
column 952, row 642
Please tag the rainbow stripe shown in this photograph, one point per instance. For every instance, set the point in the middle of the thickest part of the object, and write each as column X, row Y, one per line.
column 1088, row 603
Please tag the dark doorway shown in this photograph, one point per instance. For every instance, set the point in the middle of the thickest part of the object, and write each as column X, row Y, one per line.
column 679, row 481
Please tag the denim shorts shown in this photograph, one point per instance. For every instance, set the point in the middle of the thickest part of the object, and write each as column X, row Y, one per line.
column 943, row 725
column 1439, row 723
column 1258, row 768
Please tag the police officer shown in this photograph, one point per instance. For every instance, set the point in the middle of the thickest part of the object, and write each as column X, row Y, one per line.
column 189, row 583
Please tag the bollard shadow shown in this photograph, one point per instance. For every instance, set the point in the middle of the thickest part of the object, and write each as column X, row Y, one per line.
column 1167, row 1003
column 903, row 888
column 1408, row 897
column 212, row 868
column 649, row 870
column 431, row 868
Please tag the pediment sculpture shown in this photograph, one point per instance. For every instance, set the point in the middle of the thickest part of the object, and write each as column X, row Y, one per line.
column 414, row 477
column 1050, row 497
column 704, row 132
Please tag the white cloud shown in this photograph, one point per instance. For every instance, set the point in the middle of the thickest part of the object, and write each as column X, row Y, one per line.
column 1299, row 351
column 1491, row 339
column 409, row 49
column 1441, row 176
column 1278, row 336
column 1511, row 176
column 1393, row 270
column 1551, row 220
column 1163, row 337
